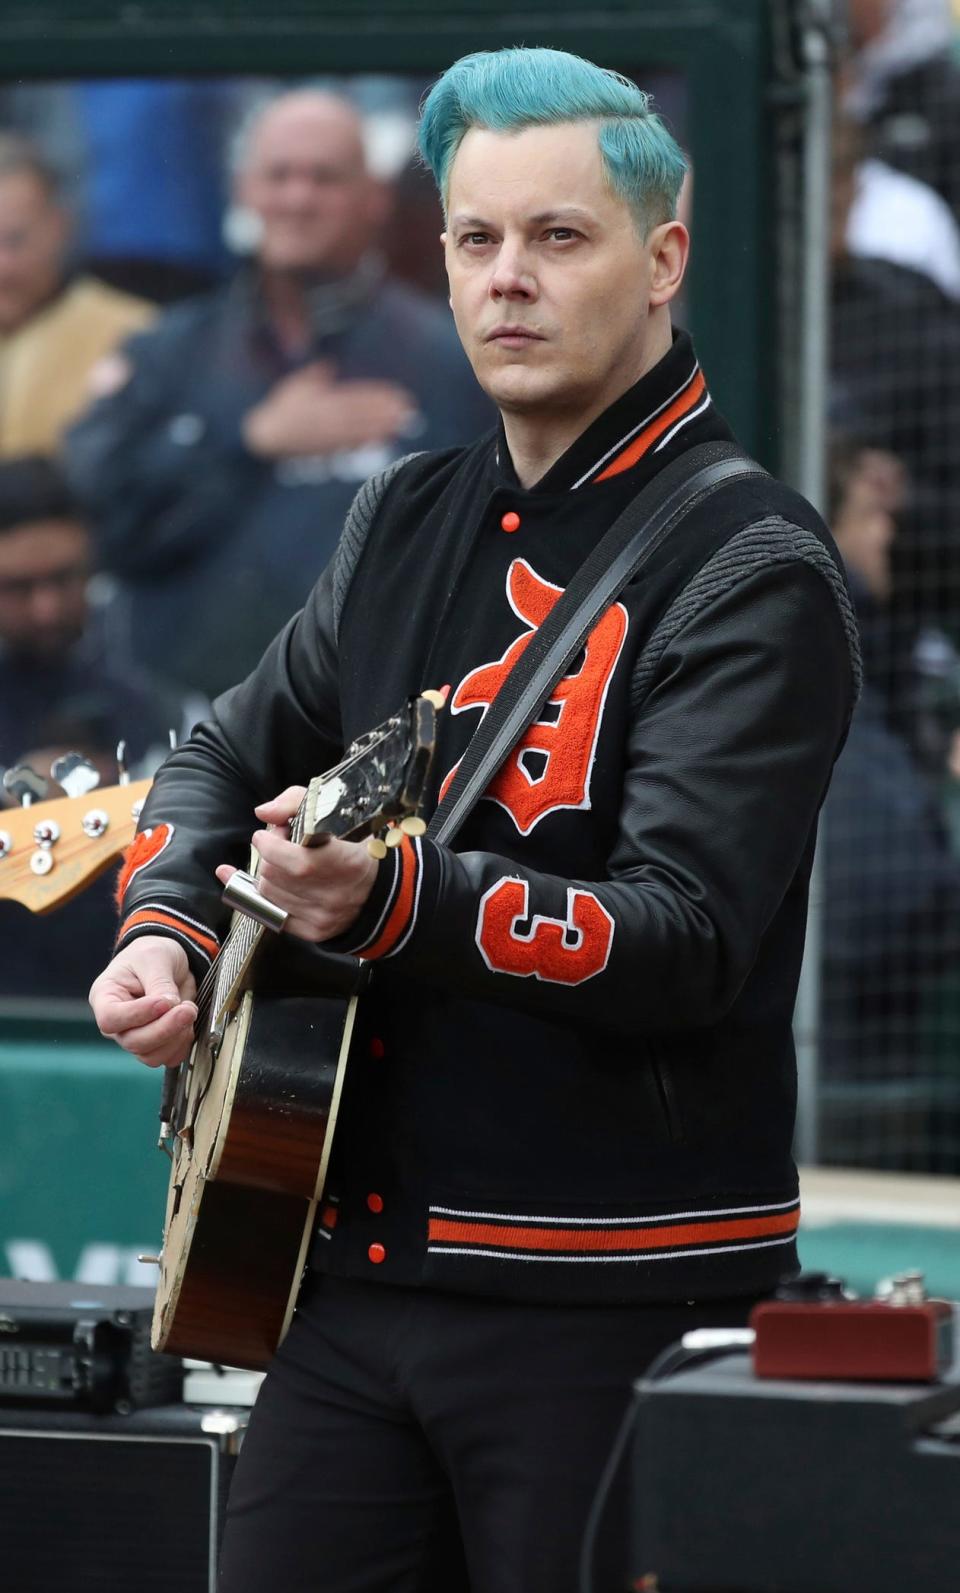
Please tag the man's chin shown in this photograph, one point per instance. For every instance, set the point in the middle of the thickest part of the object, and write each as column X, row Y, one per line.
column 42, row 651
column 519, row 391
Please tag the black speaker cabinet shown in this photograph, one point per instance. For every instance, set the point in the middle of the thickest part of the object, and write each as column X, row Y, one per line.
column 114, row 1504
column 765, row 1485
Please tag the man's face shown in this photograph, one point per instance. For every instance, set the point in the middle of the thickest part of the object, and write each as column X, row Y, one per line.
column 551, row 284
column 43, row 576
column 306, row 179
column 864, row 522
column 33, row 233
column 867, row 20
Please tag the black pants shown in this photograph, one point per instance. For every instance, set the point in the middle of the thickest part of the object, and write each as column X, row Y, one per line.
column 426, row 1443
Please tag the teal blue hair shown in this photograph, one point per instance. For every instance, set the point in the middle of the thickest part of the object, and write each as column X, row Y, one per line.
column 506, row 90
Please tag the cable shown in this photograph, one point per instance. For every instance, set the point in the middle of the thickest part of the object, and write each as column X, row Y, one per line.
column 696, row 1348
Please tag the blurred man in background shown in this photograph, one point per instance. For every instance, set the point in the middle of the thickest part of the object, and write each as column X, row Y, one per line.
column 53, row 327
column 220, row 466
column 895, row 384
column 904, row 85
column 64, row 689
column 891, row 924
column 61, row 680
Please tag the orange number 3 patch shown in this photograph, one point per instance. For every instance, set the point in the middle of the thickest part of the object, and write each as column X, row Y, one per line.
column 562, row 951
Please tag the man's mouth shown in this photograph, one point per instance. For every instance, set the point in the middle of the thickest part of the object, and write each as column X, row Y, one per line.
column 513, row 336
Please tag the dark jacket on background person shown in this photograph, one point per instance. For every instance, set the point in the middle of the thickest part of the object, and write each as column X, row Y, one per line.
column 88, row 702
column 214, row 547
column 97, row 694
column 573, row 1076
column 895, row 384
column 916, row 128
column 891, row 896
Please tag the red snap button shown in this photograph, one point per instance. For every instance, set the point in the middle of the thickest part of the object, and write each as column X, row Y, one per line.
column 375, row 1202
column 329, row 1218
column 377, row 1254
column 377, row 1047
column 510, row 521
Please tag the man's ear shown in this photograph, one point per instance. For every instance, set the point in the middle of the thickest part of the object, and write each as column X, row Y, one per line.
column 669, row 247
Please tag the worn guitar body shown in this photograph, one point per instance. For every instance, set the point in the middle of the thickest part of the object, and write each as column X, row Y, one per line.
column 251, row 1126
column 247, row 1175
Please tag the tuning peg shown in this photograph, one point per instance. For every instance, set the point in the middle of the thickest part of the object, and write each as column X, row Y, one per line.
column 376, row 848
column 393, row 837
column 438, row 698
column 413, row 824
column 123, row 773
column 25, row 785
column 75, row 773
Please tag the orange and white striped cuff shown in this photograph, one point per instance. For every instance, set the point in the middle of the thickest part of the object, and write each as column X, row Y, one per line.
column 163, row 918
column 394, row 904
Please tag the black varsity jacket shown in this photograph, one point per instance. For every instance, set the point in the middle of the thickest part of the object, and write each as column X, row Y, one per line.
column 573, row 1074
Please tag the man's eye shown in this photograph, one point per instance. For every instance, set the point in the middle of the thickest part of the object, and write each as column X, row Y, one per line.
column 562, row 234
column 477, row 239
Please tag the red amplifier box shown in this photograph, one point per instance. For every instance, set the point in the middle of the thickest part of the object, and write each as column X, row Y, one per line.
column 902, row 1338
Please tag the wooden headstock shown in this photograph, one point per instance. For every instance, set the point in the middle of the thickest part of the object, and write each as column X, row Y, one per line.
column 378, row 783
column 81, row 836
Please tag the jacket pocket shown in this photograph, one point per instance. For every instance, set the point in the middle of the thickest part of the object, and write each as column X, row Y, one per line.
column 667, row 1091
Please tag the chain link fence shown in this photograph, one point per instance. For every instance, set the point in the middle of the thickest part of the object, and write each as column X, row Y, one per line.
column 888, row 910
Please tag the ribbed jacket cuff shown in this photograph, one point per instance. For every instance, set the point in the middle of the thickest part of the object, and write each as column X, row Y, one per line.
column 164, row 918
column 391, row 912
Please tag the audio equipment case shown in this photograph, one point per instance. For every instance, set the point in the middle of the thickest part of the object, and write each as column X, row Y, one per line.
column 771, row 1486
column 114, row 1504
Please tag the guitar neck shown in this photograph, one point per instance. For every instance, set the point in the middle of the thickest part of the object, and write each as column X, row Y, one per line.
column 232, row 966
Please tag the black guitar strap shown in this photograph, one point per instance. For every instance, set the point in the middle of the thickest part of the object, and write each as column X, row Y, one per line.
column 636, row 534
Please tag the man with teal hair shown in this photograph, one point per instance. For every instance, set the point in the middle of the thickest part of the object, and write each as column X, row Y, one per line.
column 565, row 1134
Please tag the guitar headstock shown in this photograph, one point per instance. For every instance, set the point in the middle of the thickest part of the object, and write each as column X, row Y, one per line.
column 50, row 851
column 379, row 781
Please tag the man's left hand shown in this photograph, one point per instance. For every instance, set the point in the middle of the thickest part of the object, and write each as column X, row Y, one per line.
column 323, row 888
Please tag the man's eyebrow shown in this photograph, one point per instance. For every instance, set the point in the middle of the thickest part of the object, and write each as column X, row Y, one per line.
column 542, row 218
column 562, row 213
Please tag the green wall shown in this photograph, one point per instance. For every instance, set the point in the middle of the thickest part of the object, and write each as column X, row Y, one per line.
column 82, row 1186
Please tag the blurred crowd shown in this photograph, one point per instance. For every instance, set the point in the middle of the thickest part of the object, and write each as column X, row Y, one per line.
column 221, row 309
column 890, row 855
column 205, row 348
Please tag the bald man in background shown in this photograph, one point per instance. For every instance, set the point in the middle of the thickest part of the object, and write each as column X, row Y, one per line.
column 219, row 461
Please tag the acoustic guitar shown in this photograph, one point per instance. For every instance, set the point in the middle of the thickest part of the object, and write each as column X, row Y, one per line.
column 253, row 1109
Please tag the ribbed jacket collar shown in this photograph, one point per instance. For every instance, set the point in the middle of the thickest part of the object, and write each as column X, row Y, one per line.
column 640, row 425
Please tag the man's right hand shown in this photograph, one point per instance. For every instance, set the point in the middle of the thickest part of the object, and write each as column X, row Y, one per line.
column 309, row 412
column 144, row 999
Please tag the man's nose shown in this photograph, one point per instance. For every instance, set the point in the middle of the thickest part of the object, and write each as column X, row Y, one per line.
column 46, row 603
column 300, row 192
column 513, row 276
